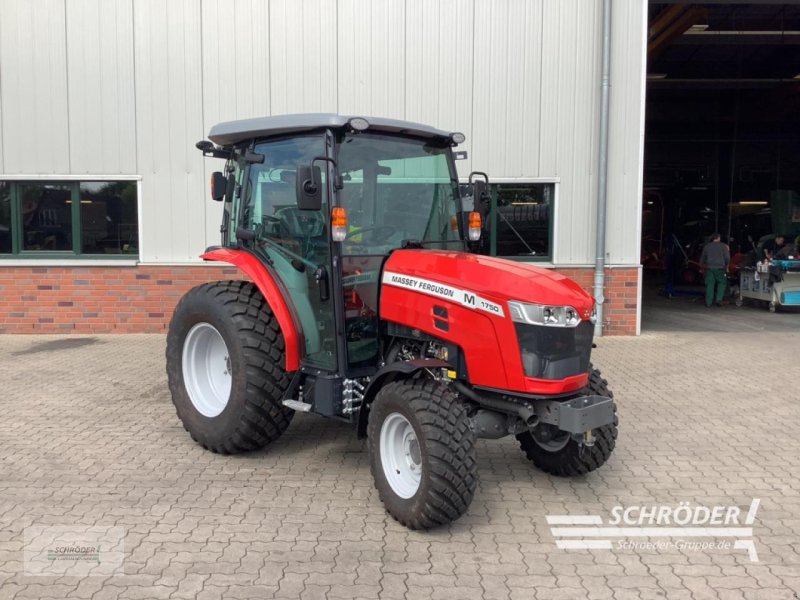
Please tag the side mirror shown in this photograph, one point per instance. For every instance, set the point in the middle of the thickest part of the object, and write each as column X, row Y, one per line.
column 230, row 187
column 480, row 192
column 308, row 187
column 219, row 185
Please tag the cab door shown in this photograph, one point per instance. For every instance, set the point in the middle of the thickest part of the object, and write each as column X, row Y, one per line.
column 294, row 242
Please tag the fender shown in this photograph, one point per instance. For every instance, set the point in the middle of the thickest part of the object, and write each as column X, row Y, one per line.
column 397, row 370
column 268, row 286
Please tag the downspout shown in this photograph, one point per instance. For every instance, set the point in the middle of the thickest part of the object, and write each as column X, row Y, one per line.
column 602, row 170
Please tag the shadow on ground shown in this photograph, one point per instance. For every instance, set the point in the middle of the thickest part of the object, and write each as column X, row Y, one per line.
column 56, row 345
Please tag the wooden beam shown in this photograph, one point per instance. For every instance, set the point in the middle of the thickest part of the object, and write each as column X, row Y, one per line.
column 664, row 38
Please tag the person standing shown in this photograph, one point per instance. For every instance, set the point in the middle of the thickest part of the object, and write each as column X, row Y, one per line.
column 714, row 260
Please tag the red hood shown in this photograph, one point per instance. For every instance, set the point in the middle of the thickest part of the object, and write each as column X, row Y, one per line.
column 496, row 279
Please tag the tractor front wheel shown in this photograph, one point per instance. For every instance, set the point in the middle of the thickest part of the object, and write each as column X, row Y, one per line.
column 555, row 451
column 422, row 453
column 225, row 367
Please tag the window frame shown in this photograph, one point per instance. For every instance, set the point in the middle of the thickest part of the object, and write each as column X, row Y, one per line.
column 452, row 180
column 551, row 234
column 18, row 254
column 549, row 259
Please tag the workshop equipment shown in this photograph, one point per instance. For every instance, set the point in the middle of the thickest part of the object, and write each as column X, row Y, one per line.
column 776, row 282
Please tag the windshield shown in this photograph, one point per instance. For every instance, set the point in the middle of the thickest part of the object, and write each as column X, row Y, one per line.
column 396, row 189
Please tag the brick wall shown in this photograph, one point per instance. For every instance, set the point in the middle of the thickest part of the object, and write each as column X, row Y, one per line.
column 141, row 299
column 97, row 299
column 622, row 296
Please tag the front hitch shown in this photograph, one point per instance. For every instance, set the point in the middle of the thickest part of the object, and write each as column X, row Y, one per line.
column 578, row 416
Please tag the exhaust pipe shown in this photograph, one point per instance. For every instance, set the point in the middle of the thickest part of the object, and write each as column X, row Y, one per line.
column 523, row 411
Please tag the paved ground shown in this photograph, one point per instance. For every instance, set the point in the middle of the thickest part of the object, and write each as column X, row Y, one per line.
column 88, row 436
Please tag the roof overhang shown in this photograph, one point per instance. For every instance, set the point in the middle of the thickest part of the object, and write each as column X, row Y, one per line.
column 233, row 132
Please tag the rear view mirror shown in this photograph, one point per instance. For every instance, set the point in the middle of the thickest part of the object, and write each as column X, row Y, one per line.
column 308, row 187
column 480, row 191
column 230, row 187
column 219, row 185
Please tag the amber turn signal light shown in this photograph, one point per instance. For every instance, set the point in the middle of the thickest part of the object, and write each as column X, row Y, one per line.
column 338, row 223
column 474, row 226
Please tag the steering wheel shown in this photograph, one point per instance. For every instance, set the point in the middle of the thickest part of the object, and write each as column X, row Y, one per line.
column 299, row 224
column 381, row 233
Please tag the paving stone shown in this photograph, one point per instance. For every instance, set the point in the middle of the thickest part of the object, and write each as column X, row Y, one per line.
column 97, row 441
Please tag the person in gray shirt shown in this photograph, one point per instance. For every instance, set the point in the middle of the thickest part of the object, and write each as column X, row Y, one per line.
column 714, row 260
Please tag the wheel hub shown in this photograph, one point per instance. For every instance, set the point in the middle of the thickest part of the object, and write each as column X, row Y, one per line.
column 549, row 438
column 413, row 453
column 206, row 367
column 401, row 455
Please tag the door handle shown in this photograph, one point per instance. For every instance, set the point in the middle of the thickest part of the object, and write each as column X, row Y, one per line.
column 321, row 276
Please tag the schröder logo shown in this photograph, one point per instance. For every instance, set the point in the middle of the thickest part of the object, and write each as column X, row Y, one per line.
column 683, row 527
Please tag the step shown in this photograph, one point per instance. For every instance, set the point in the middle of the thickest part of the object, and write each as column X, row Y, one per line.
column 297, row 405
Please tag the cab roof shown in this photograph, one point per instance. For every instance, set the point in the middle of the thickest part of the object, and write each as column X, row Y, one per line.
column 233, row 132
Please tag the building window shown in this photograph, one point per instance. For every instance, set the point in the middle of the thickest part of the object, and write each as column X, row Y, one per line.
column 63, row 219
column 521, row 220
column 5, row 218
column 46, row 216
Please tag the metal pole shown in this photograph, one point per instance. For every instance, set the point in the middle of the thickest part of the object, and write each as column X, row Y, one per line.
column 602, row 171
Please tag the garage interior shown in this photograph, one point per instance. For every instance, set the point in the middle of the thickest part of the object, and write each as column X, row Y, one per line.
column 722, row 138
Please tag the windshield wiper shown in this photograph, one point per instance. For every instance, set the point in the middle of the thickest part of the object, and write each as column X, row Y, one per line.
column 410, row 244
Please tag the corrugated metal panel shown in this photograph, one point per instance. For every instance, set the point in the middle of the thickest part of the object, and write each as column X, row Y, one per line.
column 303, row 59
column 102, row 122
column 2, row 162
column 34, row 87
column 519, row 78
column 568, row 142
column 236, row 60
column 438, row 66
column 236, row 80
column 629, row 38
column 169, row 119
column 506, row 87
column 371, row 55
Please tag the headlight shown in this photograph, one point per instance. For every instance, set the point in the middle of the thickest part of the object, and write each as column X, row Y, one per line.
column 539, row 314
column 593, row 316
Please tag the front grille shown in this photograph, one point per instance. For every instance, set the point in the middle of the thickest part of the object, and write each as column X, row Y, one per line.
column 555, row 352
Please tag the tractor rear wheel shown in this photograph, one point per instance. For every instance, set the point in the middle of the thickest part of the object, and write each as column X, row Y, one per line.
column 422, row 453
column 225, row 367
column 559, row 454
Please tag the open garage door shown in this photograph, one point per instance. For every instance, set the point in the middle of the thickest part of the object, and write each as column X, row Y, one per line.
column 722, row 149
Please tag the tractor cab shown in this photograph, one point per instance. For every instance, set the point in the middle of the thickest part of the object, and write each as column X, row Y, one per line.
column 367, row 301
column 324, row 202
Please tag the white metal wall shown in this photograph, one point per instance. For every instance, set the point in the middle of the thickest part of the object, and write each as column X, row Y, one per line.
column 128, row 86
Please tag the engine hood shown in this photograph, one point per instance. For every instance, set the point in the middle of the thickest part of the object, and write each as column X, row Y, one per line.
column 493, row 280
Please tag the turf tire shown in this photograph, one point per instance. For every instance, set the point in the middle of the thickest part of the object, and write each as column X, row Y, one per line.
column 447, row 447
column 572, row 460
column 253, row 416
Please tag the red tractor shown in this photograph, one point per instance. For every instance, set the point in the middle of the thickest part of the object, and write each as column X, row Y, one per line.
column 368, row 302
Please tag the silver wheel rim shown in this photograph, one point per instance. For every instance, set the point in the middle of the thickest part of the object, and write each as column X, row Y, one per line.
column 401, row 457
column 206, row 369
